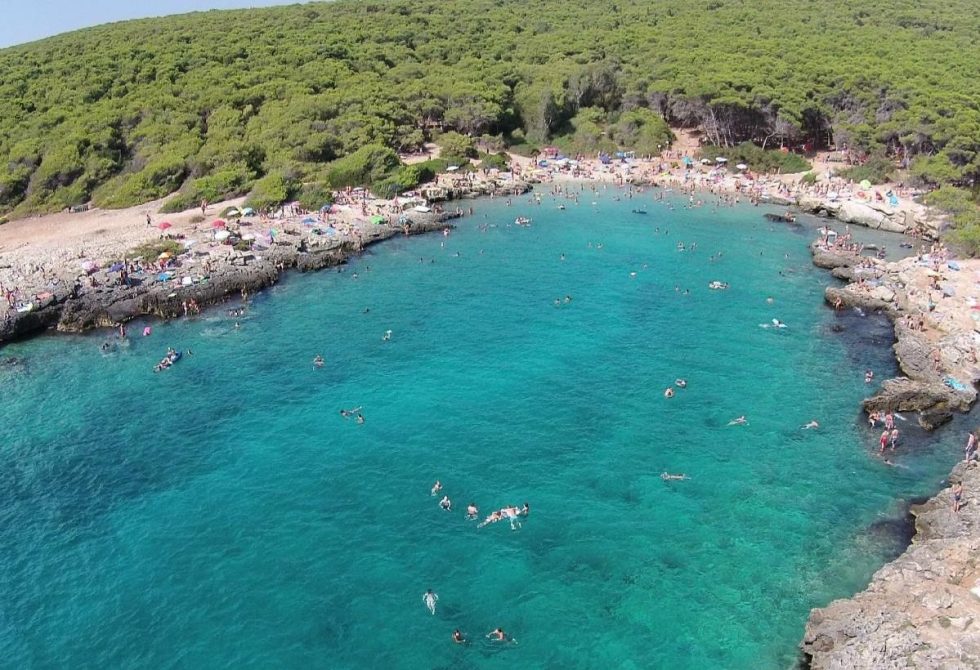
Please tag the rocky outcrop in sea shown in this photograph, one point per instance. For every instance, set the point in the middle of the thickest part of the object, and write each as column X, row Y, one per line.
column 922, row 610
column 109, row 305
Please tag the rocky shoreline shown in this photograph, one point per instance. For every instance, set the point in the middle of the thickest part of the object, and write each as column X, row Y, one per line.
column 922, row 610
column 107, row 306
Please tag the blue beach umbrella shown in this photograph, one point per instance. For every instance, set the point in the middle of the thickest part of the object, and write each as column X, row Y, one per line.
column 116, row 267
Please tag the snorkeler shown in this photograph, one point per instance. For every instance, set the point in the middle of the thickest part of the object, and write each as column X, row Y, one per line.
column 430, row 598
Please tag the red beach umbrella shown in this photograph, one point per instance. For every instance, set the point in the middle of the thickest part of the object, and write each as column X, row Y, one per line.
column 164, row 225
column 218, row 224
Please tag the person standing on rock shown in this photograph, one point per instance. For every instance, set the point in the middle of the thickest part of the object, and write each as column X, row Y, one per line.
column 971, row 448
column 893, row 438
column 957, row 496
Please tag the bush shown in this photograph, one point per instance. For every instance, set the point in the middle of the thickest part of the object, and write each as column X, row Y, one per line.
column 809, row 179
column 878, row 169
column 404, row 179
column 758, row 159
column 271, row 191
column 964, row 212
column 369, row 164
column 499, row 161
column 151, row 250
column 227, row 182
column 159, row 178
column 455, row 144
column 314, row 195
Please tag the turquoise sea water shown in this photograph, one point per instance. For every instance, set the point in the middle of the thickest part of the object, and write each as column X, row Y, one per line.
column 222, row 514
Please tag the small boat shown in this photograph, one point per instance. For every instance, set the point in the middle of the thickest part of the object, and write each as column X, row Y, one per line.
column 783, row 218
column 522, row 221
column 718, row 285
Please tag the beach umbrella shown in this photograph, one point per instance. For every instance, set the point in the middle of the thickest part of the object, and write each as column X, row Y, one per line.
column 687, row 160
column 163, row 225
column 309, row 221
column 218, row 223
column 705, row 161
column 325, row 208
column 248, row 211
column 452, row 168
column 721, row 160
column 741, row 166
column 865, row 184
column 248, row 237
column 164, row 276
column 90, row 266
column 222, row 235
column 116, row 267
column 164, row 255
column 377, row 219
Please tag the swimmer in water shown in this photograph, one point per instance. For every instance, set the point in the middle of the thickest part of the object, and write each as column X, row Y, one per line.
column 494, row 517
column 458, row 637
column 811, row 424
column 740, row 421
column 318, row 361
column 669, row 392
column 668, row 477
column 436, row 487
column 387, row 335
column 430, row 598
column 446, row 503
column 498, row 635
column 472, row 511
column 360, row 418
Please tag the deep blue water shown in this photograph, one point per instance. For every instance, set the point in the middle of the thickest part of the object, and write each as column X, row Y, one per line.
column 222, row 514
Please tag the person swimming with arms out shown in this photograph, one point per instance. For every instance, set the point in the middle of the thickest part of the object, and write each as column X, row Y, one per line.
column 498, row 635
column 811, row 424
column 430, row 598
column 740, row 421
column 494, row 517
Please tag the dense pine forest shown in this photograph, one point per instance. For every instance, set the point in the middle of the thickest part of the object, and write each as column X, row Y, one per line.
column 323, row 94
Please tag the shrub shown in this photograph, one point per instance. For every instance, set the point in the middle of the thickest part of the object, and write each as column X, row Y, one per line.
column 878, row 169
column 757, row 158
column 271, row 190
column 365, row 166
column 498, row 161
column 314, row 195
column 227, row 182
column 151, row 250
column 456, row 144
column 809, row 179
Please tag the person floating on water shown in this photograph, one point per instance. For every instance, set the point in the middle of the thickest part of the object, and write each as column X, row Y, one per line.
column 360, row 418
column 436, row 487
column 446, row 503
column 386, row 336
column 740, row 421
column 472, row 511
column 458, row 637
column 668, row 477
column 430, row 598
column 868, row 376
column 318, row 361
column 811, row 424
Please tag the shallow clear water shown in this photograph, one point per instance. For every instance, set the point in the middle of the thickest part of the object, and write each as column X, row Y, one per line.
column 222, row 514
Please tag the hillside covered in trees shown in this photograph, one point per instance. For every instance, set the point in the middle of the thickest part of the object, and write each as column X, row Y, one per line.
column 210, row 103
